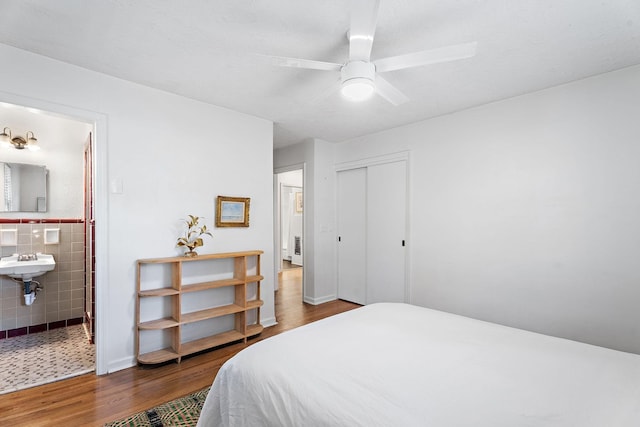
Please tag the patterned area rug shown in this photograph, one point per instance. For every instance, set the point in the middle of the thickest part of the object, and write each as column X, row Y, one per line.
column 181, row 412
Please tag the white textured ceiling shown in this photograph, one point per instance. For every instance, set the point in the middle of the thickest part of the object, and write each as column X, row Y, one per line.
column 211, row 50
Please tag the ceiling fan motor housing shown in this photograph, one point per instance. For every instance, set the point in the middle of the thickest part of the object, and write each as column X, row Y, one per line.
column 358, row 70
column 358, row 80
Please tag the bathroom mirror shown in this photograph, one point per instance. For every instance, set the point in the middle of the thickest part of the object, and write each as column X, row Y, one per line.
column 23, row 188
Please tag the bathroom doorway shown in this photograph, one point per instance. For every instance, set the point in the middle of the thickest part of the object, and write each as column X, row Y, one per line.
column 54, row 327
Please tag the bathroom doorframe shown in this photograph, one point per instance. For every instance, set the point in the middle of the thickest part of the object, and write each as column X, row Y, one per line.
column 100, row 187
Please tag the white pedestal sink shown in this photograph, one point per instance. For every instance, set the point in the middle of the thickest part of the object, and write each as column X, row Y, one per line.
column 26, row 270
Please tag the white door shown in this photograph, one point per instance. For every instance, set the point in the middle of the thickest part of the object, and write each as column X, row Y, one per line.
column 386, row 228
column 352, row 266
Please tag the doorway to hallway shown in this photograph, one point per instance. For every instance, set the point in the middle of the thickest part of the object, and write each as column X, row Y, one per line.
column 289, row 207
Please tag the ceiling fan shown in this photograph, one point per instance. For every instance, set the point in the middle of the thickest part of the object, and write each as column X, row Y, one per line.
column 360, row 77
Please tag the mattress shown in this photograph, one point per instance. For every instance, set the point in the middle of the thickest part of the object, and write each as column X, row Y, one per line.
column 394, row 364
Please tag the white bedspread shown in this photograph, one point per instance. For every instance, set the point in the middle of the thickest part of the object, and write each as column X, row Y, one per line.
column 402, row 365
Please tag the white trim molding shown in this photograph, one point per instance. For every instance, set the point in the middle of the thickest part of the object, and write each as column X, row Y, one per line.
column 372, row 161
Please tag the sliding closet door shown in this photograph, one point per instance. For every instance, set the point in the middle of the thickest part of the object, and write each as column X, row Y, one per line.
column 352, row 205
column 372, row 204
column 386, row 228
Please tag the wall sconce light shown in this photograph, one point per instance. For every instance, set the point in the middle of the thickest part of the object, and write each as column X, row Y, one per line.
column 18, row 142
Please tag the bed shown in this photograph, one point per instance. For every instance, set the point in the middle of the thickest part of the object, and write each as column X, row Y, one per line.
column 394, row 364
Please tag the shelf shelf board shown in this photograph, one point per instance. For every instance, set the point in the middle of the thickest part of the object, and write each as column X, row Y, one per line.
column 255, row 303
column 209, row 313
column 158, row 356
column 209, row 342
column 199, row 257
column 254, row 329
column 161, row 292
column 211, row 285
column 164, row 323
column 253, row 279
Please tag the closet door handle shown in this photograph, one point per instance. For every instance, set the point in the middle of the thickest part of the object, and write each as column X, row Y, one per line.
column 403, row 243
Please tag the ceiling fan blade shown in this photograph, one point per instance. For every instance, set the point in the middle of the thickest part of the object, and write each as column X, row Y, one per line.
column 390, row 92
column 364, row 16
column 283, row 61
column 426, row 57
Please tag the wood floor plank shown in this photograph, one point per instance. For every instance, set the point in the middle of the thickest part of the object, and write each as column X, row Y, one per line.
column 91, row 400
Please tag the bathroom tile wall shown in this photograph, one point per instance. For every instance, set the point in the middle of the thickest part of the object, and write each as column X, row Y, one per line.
column 62, row 298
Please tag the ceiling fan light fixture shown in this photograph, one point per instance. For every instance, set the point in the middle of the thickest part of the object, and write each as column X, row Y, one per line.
column 360, row 76
column 358, row 80
column 358, row 89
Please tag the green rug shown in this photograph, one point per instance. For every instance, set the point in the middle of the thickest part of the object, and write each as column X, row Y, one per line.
column 182, row 412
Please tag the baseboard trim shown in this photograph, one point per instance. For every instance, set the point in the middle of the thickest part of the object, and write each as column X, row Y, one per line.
column 268, row 322
column 318, row 301
column 120, row 364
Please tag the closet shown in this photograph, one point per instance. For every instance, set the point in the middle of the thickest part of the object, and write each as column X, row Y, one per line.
column 371, row 223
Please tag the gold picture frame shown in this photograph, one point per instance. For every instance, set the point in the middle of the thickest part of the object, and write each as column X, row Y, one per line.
column 232, row 211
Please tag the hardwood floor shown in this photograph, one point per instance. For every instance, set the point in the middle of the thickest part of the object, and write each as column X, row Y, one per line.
column 91, row 400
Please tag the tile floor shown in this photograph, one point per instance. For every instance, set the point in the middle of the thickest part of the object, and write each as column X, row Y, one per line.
column 36, row 359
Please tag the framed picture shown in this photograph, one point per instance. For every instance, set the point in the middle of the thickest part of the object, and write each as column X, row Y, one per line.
column 232, row 211
column 298, row 202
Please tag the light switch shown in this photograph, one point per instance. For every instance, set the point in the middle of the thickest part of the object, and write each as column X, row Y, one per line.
column 116, row 186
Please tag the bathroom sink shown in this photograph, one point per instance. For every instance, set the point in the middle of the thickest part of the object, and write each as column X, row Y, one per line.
column 32, row 266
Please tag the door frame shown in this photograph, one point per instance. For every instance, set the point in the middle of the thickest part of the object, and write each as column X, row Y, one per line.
column 277, row 221
column 284, row 187
column 99, row 122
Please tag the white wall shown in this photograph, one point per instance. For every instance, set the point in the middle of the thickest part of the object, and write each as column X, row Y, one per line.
column 525, row 212
column 173, row 156
column 319, row 215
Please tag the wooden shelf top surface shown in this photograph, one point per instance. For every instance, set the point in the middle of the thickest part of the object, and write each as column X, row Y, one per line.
column 254, row 303
column 254, row 329
column 194, row 287
column 160, row 292
column 196, row 316
column 158, row 356
column 199, row 257
column 211, row 341
column 164, row 323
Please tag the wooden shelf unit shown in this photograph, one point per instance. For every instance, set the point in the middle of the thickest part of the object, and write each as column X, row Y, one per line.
column 175, row 290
